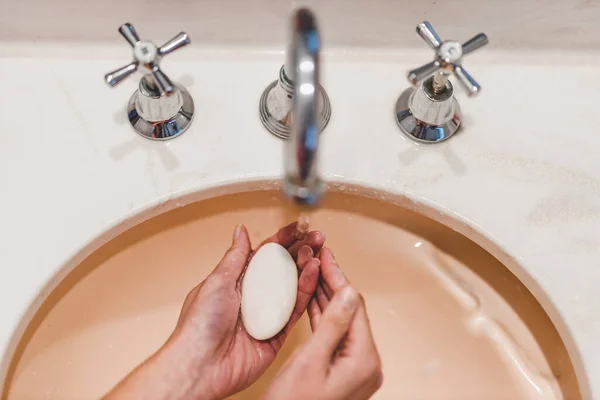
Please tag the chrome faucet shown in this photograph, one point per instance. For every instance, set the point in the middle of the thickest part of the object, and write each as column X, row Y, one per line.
column 429, row 112
column 296, row 107
column 159, row 109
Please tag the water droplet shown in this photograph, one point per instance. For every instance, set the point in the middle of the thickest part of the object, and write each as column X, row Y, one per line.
column 302, row 228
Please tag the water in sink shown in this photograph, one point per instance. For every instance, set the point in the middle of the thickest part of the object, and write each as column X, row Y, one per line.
column 449, row 323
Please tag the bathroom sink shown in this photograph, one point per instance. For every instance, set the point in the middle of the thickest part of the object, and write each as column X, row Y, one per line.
column 449, row 319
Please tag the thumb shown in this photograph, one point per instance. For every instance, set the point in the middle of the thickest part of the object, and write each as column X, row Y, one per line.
column 233, row 262
column 335, row 322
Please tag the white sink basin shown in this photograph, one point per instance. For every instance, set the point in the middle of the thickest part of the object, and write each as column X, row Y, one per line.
column 449, row 319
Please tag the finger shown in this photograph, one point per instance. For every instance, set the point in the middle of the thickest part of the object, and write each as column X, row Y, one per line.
column 322, row 298
column 314, row 240
column 234, row 261
column 335, row 323
column 307, row 284
column 331, row 272
column 286, row 236
column 305, row 254
column 359, row 341
column 314, row 313
column 326, row 289
column 358, row 357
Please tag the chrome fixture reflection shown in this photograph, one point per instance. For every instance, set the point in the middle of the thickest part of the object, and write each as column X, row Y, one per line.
column 428, row 112
column 159, row 109
column 296, row 108
column 276, row 102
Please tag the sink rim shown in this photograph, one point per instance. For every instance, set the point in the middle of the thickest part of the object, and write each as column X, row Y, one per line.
column 421, row 206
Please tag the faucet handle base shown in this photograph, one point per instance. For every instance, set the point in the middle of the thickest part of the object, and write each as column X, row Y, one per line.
column 158, row 117
column 275, row 107
column 437, row 129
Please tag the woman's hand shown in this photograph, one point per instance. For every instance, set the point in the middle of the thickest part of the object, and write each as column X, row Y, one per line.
column 340, row 361
column 210, row 355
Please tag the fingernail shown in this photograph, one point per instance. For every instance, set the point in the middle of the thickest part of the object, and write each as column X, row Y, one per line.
column 308, row 250
column 237, row 231
column 349, row 298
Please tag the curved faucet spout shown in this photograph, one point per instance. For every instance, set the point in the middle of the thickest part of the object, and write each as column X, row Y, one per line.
column 301, row 181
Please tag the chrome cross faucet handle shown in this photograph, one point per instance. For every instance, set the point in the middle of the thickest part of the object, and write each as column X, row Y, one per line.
column 159, row 109
column 429, row 112
column 448, row 58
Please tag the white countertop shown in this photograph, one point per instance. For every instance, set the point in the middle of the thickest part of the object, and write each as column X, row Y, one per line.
column 524, row 172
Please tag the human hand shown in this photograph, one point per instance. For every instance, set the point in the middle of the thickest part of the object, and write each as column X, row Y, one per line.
column 210, row 355
column 340, row 361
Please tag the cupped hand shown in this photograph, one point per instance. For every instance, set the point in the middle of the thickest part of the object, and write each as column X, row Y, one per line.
column 210, row 315
column 340, row 361
column 210, row 355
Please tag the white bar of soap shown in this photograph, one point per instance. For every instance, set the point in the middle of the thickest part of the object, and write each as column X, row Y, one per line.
column 269, row 291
